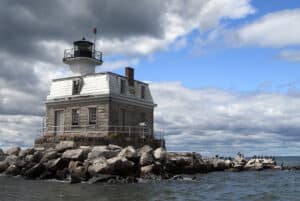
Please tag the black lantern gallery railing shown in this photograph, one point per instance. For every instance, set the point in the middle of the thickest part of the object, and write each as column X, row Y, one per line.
column 94, row 54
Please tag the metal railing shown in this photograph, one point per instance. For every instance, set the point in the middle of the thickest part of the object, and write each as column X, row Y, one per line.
column 143, row 131
column 69, row 53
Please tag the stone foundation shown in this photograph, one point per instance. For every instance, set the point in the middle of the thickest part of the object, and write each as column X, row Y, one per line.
column 48, row 141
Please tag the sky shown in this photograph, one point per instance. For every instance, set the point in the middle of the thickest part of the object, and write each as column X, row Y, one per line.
column 225, row 74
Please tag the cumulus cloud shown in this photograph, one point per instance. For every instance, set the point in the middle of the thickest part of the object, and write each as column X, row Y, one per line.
column 277, row 29
column 218, row 121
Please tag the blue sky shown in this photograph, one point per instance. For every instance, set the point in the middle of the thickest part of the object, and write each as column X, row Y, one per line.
column 243, row 69
column 224, row 73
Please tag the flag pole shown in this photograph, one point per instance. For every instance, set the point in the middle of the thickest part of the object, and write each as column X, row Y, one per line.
column 95, row 36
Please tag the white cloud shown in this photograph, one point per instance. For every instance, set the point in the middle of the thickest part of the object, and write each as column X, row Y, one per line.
column 290, row 55
column 278, row 29
column 219, row 121
column 180, row 18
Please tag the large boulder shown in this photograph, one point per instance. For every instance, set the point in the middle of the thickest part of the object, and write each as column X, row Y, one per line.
column 98, row 166
column 146, row 159
column 73, row 154
column 129, row 153
column 114, row 147
column 155, row 169
column 121, row 166
column 64, row 145
column 144, row 149
column 49, row 155
column 78, row 171
column 11, row 159
column 24, row 152
column 2, row 155
column 35, row 171
column 160, row 154
column 3, row 166
column 185, row 163
column 12, row 170
column 13, row 151
column 219, row 164
column 56, row 164
column 102, row 151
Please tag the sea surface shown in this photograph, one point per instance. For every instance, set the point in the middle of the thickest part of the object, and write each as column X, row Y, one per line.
column 264, row 185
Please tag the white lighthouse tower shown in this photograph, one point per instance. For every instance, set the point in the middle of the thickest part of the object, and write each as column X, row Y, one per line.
column 82, row 58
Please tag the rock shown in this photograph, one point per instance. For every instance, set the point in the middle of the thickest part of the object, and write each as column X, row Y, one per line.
column 73, row 154
column 37, row 156
column 114, row 147
column 61, row 174
column 11, row 159
column 121, row 166
column 101, row 178
column 64, row 145
column 98, row 166
column 146, row 159
column 151, row 169
column 2, row 155
column 13, row 151
column 185, row 163
column 79, row 170
column 104, row 151
column 23, row 153
column 49, row 155
column 144, row 149
column 56, row 164
column 228, row 164
column 35, row 171
column 219, row 164
column 12, row 170
column 3, row 166
column 129, row 153
column 160, row 154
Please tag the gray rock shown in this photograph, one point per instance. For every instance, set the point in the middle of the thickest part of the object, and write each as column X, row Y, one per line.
column 149, row 169
column 49, row 155
column 62, row 174
column 64, row 145
column 120, row 166
column 79, row 170
column 11, row 159
column 56, row 164
column 3, row 166
column 114, row 147
column 144, row 149
column 219, row 164
column 160, row 154
column 146, row 159
column 13, row 151
column 73, row 154
column 104, row 151
column 2, row 155
column 23, row 153
column 101, row 178
column 98, row 166
column 129, row 153
column 37, row 156
column 35, row 171
column 12, row 170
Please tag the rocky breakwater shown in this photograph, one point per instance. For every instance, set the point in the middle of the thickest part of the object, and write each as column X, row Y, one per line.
column 113, row 164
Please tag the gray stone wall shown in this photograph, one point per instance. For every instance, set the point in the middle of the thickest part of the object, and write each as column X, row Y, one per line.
column 108, row 114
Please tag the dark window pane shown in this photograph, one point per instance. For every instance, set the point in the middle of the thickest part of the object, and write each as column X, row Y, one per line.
column 75, row 116
column 92, row 115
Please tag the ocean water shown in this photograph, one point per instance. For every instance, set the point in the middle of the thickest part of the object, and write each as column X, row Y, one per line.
column 264, row 185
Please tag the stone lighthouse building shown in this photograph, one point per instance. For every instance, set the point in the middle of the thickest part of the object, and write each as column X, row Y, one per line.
column 97, row 108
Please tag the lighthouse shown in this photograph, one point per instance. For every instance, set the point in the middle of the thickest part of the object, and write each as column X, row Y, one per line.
column 92, row 108
column 83, row 57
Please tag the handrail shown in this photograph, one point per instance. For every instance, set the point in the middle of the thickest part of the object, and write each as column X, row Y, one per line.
column 69, row 53
column 91, row 129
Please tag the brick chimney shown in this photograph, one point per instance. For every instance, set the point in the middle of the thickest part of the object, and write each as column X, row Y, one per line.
column 129, row 72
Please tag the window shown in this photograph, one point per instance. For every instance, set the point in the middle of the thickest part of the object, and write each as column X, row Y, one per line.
column 92, row 116
column 143, row 90
column 142, row 117
column 123, row 86
column 75, row 116
column 76, row 87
